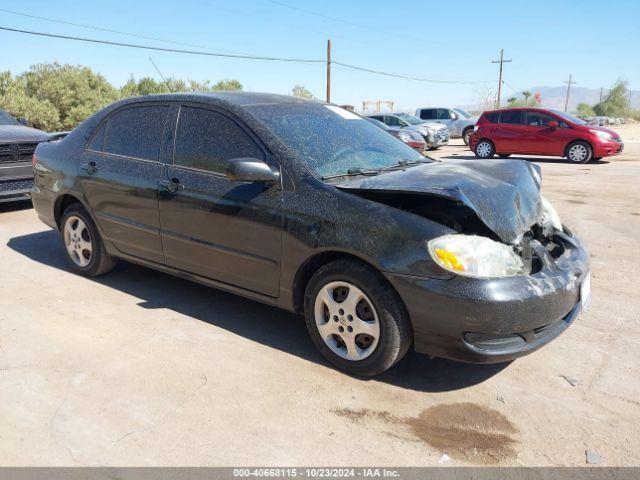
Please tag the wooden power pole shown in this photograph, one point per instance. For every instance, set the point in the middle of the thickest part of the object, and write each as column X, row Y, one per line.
column 566, row 100
column 328, row 71
column 501, row 61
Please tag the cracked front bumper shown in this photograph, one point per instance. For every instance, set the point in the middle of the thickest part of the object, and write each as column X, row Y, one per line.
column 495, row 320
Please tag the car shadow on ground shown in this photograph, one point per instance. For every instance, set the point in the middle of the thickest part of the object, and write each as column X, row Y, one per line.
column 267, row 325
column 471, row 156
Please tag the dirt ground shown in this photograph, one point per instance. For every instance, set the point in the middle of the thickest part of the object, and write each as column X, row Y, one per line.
column 140, row 368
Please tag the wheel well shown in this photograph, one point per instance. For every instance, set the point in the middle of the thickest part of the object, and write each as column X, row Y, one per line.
column 311, row 266
column 467, row 128
column 566, row 149
column 61, row 205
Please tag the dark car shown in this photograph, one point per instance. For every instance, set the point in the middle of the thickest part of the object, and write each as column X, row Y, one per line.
column 538, row 131
column 17, row 144
column 309, row 207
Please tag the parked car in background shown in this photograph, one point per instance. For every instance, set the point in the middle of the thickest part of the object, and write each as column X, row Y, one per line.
column 17, row 144
column 307, row 206
column 410, row 137
column 539, row 131
column 434, row 134
column 459, row 122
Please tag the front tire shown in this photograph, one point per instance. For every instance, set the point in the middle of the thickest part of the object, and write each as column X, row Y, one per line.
column 485, row 149
column 84, row 248
column 579, row 152
column 466, row 134
column 356, row 319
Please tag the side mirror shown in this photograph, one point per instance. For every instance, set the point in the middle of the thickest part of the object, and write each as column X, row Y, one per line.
column 553, row 124
column 250, row 170
column 23, row 121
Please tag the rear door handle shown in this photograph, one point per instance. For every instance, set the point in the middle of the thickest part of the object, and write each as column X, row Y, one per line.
column 90, row 167
column 172, row 186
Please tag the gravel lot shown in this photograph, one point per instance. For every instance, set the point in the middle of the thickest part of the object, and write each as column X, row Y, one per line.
column 140, row 368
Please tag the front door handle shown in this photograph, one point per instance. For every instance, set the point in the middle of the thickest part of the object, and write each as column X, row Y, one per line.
column 172, row 186
column 90, row 167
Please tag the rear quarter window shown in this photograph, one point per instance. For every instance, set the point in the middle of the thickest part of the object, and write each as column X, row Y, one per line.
column 428, row 114
column 492, row 117
column 513, row 117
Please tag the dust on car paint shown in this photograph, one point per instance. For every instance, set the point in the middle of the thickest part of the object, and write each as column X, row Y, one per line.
column 464, row 431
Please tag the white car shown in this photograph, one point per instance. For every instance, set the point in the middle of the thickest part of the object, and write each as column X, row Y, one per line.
column 459, row 122
column 434, row 134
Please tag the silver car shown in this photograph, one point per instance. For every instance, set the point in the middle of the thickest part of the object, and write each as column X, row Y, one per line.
column 459, row 122
column 434, row 134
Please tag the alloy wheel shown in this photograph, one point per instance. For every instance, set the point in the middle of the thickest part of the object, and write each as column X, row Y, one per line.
column 347, row 320
column 77, row 240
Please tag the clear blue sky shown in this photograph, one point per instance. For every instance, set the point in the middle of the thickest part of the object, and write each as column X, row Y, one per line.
column 595, row 41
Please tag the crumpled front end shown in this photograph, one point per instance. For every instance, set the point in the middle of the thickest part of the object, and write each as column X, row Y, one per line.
column 489, row 320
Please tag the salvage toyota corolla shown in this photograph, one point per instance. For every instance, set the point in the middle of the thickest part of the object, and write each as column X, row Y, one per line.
column 311, row 208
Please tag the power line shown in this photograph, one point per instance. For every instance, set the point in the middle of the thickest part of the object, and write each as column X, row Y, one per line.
column 407, row 77
column 161, row 49
column 109, row 30
column 346, row 22
column 246, row 57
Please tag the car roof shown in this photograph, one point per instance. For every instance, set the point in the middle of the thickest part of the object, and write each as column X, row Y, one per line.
column 508, row 109
column 238, row 99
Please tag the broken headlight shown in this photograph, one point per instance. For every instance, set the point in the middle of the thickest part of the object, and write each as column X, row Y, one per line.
column 549, row 214
column 475, row 256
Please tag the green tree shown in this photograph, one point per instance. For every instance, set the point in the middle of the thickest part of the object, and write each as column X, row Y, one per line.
column 527, row 100
column 616, row 103
column 302, row 92
column 584, row 110
column 227, row 85
column 14, row 99
column 75, row 91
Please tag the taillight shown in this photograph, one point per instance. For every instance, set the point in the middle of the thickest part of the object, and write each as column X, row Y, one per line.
column 34, row 159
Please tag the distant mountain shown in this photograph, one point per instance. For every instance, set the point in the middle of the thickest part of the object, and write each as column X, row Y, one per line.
column 553, row 97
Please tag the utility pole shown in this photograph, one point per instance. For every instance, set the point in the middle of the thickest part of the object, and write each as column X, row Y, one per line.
column 328, row 71
column 566, row 100
column 601, row 90
column 501, row 61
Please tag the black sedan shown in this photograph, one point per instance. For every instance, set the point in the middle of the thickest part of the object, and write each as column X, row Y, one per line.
column 311, row 208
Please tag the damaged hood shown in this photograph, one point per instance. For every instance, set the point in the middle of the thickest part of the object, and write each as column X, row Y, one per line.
column 504, row 194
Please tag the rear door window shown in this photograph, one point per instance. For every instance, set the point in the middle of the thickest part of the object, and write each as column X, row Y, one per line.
column 428, row 114
column 206, row 140
column 513, row 117
column 443, row 114
column 133, row 132
column 492, row 117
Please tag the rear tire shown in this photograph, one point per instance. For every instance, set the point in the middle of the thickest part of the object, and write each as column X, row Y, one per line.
column 466, row 133
column 84, row 248
column 356, row 319
column 485, row 149
column 579, row 152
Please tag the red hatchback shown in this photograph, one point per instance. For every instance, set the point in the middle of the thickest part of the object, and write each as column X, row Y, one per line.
column 537, row 131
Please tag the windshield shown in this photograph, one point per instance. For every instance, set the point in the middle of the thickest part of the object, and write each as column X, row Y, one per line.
column 6, row 119
column 464, row 113
column 331, row 140
column 571, row 118
column 410, row 119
